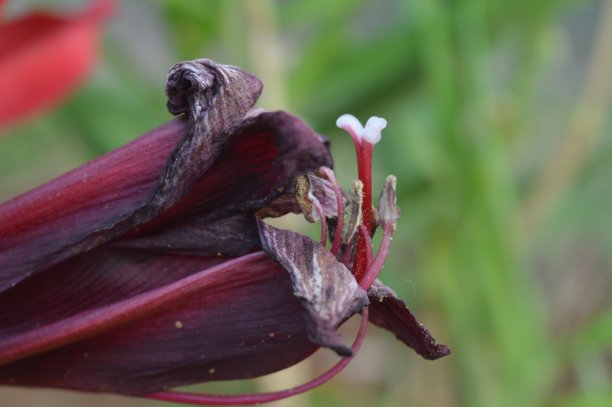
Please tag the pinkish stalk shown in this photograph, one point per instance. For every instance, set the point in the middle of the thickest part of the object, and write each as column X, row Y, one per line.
column 381, row 256
column 257, row 398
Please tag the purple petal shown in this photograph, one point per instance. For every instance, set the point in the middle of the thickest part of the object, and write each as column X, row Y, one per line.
column 215, row 98
column 84, row 284
column 113, row 277
column 39, row 228
column 326, row 288
column 145, row 259
column 391, row 313
column 230, row 236
column 260, row 162
column 91, row 205
column 236, row 320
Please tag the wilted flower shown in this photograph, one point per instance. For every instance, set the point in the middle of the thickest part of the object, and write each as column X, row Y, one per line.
column 151, row 268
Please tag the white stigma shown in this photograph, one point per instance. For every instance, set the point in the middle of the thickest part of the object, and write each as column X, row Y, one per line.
column 373, row 129
column 371, row 133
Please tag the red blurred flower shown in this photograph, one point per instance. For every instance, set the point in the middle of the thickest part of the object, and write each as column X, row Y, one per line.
column 44, row 56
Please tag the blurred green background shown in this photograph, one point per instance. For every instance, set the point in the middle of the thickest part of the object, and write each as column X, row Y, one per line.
column 499, row 134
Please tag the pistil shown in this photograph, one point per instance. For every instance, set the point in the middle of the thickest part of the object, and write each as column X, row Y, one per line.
column 364, row 139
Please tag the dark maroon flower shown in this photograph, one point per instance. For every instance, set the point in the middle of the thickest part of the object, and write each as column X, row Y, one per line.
column 150, row 267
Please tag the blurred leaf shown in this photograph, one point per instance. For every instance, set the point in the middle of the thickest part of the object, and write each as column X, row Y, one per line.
column 590, row 399
column 595, row 337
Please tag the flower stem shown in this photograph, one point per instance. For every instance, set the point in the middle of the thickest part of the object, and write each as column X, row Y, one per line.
column 256, row 398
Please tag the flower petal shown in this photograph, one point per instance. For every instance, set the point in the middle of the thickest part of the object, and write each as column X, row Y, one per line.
column 97, row 259
column 389, row 312
column 65, row 216
column 229, row 236
column 43, row 57
column 92, row 204
column 215, row 98
column 326, row 288
column 235, row 320
column 260, row 161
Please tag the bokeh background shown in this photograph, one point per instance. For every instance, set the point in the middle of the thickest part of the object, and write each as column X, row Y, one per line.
column 499, row 134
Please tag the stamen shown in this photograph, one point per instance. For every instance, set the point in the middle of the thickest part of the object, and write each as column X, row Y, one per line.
column 340, row 207
column 322, row 218
column 256, row 398
column 364, row 139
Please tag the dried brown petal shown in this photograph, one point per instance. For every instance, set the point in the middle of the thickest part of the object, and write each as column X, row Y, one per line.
column 326, row 288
